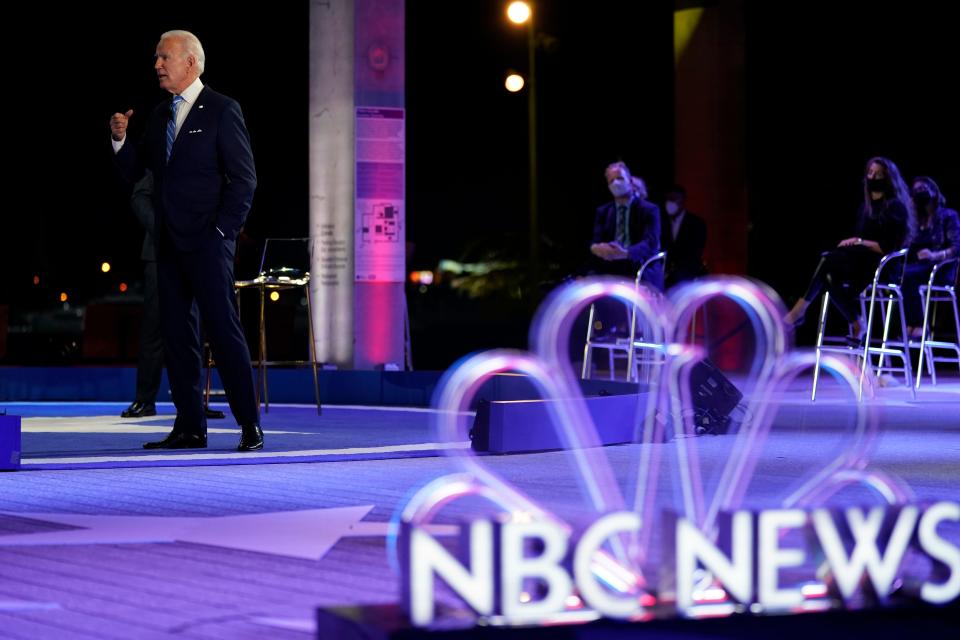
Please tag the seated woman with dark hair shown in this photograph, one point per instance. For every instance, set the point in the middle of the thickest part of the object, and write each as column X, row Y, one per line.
column 934, row 237
column 881, row 229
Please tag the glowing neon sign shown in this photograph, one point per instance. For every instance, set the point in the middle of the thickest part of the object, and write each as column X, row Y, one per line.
column 530, row 566
column 747, row 568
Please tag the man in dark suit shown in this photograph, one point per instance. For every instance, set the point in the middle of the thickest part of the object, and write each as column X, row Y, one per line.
column 683, row 236
column 197, row 146
column 150, row 361
column 626, row 232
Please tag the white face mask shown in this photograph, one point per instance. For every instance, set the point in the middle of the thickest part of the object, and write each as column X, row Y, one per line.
column 671, row 207
column 619, row 187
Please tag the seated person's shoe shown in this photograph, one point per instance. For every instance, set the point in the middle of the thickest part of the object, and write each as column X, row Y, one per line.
column 214, row 414
column 251, row 438
column 858, row 334
column 793, row 324
column 139, row 409
column 178, row 440
column 854, row 341
column 796, row 315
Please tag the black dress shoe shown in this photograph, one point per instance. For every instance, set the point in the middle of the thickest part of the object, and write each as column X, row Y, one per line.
column 855, row 342
column 251, row 438
column 214, row 414
column 139, row 409
column 178, row 440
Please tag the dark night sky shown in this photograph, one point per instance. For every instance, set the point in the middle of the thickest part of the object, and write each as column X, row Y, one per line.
column 826, row 88
column 467, row 163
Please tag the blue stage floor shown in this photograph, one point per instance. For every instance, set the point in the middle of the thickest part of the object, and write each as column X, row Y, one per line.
column 92, row 435
column 100, row 540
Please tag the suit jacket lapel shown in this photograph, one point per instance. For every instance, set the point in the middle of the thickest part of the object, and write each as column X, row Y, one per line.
column 611, row 219
column 633, row 219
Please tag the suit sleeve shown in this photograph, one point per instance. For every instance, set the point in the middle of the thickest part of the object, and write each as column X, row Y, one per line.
column 599, row 227
column 951, row 234
column 128, row 160
column 649, row 241
column 141, row 201
column 240, row 175
column 699, row 243
column 131, row 161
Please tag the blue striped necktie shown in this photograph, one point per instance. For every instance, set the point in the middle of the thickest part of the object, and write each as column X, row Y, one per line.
column 623, row 230
column 172, row 124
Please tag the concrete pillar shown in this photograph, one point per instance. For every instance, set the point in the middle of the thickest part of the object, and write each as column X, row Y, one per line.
column 332, row 178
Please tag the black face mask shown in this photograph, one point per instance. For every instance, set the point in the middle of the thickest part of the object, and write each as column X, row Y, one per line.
column 877, row 185
column 922, row 199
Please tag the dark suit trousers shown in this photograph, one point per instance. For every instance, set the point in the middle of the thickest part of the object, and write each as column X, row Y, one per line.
column 150, row 362
column 204, row 276
column 917, row 273
column 844, row 272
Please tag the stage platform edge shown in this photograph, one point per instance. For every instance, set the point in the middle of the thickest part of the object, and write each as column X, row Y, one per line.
column 11, row 443
column 287, row 385
column 387, row 622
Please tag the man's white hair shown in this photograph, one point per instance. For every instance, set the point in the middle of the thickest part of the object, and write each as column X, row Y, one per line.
column 191, row 44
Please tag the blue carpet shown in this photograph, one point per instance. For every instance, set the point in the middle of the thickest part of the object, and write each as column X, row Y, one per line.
column 92, row 435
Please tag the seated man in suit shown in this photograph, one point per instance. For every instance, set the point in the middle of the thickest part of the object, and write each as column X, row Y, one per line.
column 150, row 363
column 626, row 231
column 683, row 236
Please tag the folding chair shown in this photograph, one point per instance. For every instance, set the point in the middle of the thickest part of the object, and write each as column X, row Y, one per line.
column 626, row 347
column 932, row 293
column 885, row 289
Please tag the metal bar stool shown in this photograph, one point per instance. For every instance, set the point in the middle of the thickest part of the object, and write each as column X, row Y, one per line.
column 888, row 294
column 208, row 391
column 935, row 294
column 623, row 347
column 276, row 279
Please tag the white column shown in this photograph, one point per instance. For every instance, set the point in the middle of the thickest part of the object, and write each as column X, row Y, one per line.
column 332, row 177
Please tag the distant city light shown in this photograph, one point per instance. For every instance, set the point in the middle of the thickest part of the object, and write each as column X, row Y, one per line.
column 514, row 82
column 421, row 277
column 36, row 279
column 105, row 267
column 274, row 295
column 63, row 297
column 518, row 12
column 123, row 287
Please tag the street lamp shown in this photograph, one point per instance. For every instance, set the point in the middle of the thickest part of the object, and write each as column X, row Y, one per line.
column 521, row 13
column 518, row 12
column 514, row 82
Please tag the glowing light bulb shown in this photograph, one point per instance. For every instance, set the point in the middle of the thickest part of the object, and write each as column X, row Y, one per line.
column 513, row 83
column 518, row 12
